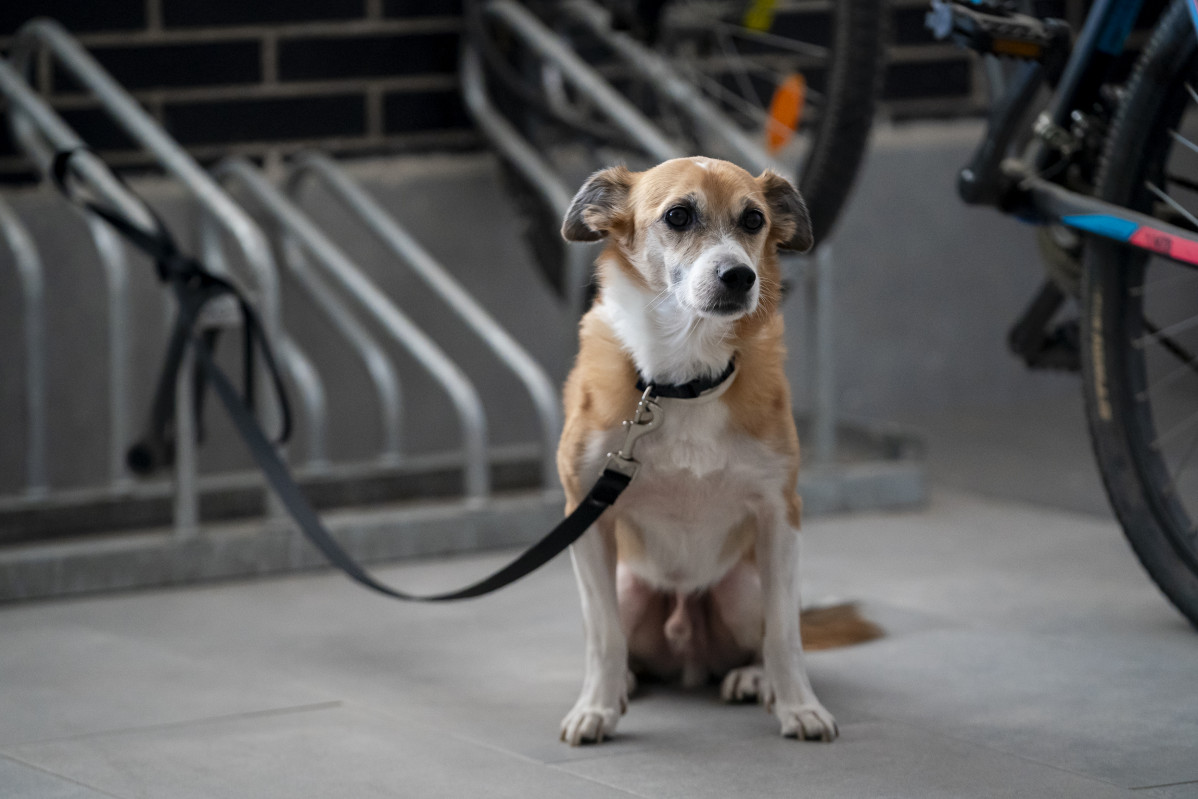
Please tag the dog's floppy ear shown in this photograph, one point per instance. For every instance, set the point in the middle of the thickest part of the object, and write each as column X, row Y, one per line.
column 788, row 212
column 597, row 205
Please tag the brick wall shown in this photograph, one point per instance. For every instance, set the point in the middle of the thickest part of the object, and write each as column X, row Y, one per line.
column 355, row 76
column 251, row 76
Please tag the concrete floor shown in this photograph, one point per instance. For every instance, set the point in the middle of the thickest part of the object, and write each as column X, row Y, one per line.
column 1026, row 655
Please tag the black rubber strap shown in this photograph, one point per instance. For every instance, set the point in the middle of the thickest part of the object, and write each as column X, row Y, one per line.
column 692, row 389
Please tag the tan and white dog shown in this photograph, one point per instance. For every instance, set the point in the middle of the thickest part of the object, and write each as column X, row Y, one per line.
column 693, row 573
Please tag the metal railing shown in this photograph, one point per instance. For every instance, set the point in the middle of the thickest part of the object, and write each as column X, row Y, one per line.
column 403, row 246
column 33, row 293
column 340, row 268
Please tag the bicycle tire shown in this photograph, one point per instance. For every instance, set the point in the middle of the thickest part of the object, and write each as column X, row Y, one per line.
column 855, row 84
column 852, row 78
column 1119, row 339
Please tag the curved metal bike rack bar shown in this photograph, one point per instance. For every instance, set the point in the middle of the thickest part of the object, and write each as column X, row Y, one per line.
column 116, row 274
column 303, row 373
column 296, row 364
column 382, row 373
column 548, row 45
column 129, row 115
column 33, row 290
column 507, row 139
column 515, row 149
column 113, row 262
column 505, row 348
column 349, row 277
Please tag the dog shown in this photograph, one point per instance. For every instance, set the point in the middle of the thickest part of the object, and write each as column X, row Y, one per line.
column 692, row 573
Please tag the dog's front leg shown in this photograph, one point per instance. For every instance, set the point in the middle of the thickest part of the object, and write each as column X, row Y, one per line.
column 788, row 693
column 604, row 688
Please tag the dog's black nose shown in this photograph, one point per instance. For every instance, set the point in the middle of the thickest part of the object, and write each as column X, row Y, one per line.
column 737, row 278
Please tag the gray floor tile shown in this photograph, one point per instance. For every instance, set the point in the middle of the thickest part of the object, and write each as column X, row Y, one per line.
column 21, row 780
column 976, row 561
column 325, row 753
column 1120, row 710
column 871, row 759
column 65, row 679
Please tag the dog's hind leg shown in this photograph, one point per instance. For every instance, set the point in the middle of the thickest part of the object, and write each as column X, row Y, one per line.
column 643, row 614
column 736, row 631
column 604, row 688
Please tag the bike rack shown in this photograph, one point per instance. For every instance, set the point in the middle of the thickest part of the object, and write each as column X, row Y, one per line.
column 515, row 149
column 506, row 349
column 340, row 268
column 29, row 272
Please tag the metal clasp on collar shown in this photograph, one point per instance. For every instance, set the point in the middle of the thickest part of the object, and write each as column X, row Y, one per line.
column 648, row 417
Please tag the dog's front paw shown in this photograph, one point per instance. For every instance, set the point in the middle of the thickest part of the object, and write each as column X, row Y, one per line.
column 746, row 684
column 589, row 724
column 807, row 722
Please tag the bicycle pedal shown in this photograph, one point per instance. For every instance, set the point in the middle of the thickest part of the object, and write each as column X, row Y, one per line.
column 1060, row 349
column 991, row 29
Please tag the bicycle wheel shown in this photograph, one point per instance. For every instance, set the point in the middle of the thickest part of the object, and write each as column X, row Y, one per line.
column 1139, row 321
column 746, row 57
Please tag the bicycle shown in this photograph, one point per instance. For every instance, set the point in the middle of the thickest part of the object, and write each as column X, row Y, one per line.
column 1103, row 172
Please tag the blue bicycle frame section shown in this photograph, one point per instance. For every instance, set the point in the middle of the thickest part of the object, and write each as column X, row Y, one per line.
column 1102, row 38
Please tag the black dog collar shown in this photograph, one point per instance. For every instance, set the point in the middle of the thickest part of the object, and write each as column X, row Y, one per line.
column 692, row 389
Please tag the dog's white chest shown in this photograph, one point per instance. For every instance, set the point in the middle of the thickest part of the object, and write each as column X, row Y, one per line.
column 699, row 480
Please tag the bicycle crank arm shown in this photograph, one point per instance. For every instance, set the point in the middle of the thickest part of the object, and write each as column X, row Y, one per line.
column 1051, row 203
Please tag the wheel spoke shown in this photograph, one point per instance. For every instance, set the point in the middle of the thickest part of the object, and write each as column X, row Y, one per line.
column 1175, row 431
column 1176, row 473
column 1163, row 335
column 1177, row 137
column 1176, row 206
column 756, row 112
column 1193, row 94
column 714, row 65
column 1166, row 380
column 741, row 71
column 781, row 42
column 1185, row 183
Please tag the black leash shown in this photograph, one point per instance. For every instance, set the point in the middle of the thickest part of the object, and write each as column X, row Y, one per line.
column 194, row 287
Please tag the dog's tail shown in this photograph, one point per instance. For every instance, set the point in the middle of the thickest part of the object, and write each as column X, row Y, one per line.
column 838, row 625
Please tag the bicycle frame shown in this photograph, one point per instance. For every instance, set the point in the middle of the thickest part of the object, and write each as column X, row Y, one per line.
column 1015, row 184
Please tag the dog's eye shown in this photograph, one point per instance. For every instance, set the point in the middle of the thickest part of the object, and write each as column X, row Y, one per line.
column 678, row 217
column 752, row 220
